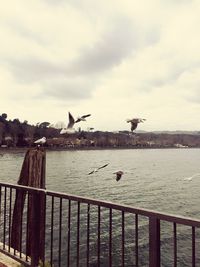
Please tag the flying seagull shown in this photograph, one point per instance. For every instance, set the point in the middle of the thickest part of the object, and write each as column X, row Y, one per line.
column 70, row 125
column 41, row 141
column 191, row 177
column 118, row 175
column 134, row 122
column 82, row 118
column 96, row 170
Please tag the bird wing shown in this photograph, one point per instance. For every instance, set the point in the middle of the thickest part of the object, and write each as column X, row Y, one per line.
column 37, row 141
column 118, row 177
column 103, row 166
column 85, row 116
column 133, row 126
column 91, row 172
column 95, row 170
column 71, row 121
column 141, row 120
column 77, row 120
column 82, row 117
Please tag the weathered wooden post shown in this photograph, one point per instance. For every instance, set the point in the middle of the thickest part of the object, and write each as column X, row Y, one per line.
column 32, row 174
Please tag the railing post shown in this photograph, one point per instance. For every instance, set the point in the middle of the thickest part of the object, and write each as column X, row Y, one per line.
column 37, row 230
column 154, row 242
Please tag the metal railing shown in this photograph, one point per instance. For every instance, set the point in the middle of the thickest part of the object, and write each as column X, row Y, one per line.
column 80, row 231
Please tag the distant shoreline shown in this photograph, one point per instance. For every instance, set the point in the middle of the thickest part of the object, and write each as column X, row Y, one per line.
column 23, row 149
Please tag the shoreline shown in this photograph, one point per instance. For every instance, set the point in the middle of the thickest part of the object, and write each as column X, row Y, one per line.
column 22, row 149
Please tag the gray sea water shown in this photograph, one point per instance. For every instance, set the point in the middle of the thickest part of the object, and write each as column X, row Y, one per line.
column 153, row 178
column 156, row 179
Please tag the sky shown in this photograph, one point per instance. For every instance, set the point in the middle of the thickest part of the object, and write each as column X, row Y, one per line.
column 115, row 60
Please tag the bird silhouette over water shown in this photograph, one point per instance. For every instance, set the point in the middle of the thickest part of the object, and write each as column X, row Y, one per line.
column 118, row 175
column 97, row 169
column 134, row 122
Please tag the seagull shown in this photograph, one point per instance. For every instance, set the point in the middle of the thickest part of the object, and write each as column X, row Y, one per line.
column 134, row 122
column 191, row 177
column 96, row 170
column 69, row 129
column 118, row 175
column 41, row 141
column 82, row 118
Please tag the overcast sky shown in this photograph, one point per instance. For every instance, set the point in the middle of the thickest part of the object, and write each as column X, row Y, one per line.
column 115, row 59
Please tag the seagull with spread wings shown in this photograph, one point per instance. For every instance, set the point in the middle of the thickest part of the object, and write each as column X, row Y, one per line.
column 70, row 125
column 97, row 169
column 134, row 122
column 72, row 121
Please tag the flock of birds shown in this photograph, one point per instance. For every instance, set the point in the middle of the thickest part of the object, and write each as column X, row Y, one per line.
column 70, row 127
column 70, row 130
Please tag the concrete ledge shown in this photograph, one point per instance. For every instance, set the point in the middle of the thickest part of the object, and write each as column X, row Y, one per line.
column 6, row 261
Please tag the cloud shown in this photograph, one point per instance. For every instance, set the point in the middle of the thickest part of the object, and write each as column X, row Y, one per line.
column 68, row 89
column 189, row 84
column 30, row 70
column 110, row 50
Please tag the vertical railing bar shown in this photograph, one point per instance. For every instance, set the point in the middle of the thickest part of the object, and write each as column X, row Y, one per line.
column 4, row 227
column 0, row 200
column 110, row 238
column 123, row 239
column 193, row 247
column 60, row 233
column 68, row 236
column 52, row 225
column 78, row 232
column 175, row 244
column 27, row 225
column 20, row 236
column 10, row 211
column 16, row 191
column 154, row 241
column 0, row 205
column 99, row 236
column 44, row 228
column 136, row 240
column 88, row 235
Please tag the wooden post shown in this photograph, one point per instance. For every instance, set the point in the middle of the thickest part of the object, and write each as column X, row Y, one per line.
column 32, row 174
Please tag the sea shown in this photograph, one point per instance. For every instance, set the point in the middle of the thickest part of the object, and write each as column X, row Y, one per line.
column 163, row 180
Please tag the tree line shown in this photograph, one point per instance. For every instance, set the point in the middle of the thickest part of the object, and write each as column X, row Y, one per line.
column 14, row 133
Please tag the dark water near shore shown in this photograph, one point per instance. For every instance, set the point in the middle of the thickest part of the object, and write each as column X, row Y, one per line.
column 153, row 179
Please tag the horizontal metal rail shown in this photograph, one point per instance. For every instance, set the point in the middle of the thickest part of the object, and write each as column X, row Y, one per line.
column 126, row 208
column 77, row 227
